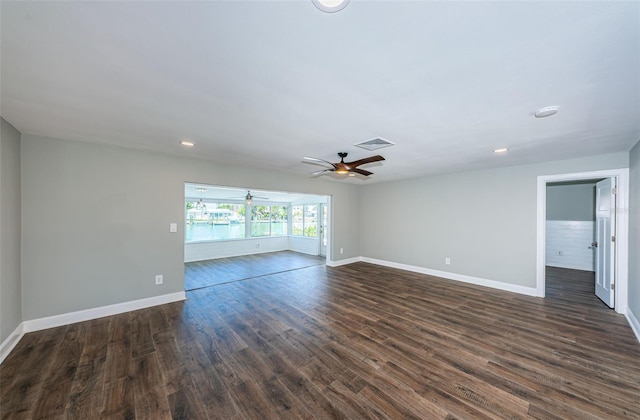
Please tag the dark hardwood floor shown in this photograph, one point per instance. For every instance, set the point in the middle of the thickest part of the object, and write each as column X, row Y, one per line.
column 207, row 273
column 358, row 341
column 564, row 284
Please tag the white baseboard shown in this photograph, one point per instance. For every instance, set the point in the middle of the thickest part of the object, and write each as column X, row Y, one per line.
column 633, row 321
column 102, row 311
column 346, row 261
column 7, row 345
column 523, row 290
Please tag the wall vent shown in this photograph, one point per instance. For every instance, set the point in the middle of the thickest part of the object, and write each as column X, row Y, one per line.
column 374, row 144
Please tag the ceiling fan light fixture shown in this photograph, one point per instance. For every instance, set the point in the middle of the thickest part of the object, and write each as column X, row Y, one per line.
column 330, row 6
column 200, row 205
column 342, row 167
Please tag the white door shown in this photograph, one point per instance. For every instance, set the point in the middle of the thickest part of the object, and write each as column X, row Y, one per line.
column 605, row 240
column 323, row 230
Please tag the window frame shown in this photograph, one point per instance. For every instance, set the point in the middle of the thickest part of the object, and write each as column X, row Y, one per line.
column 214, row 202
column 248, row 222
column 271, row 219
column 305, row 225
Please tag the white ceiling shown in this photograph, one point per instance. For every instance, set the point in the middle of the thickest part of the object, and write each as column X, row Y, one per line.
column 264, row 83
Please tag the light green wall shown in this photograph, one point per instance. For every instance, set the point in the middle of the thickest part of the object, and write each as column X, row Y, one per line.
column 634, row 230
column 96, row 220
column 571, row 202
column 10, row 288
column 485, row 221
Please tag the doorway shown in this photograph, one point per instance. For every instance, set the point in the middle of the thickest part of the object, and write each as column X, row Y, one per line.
column 619, row 258
column 579, row 224
column 234, row 233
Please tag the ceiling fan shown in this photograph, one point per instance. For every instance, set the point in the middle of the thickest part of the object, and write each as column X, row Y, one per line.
column 249, row 198
column 343, row 167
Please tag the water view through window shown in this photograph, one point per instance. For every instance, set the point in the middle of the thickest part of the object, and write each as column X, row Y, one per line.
column 217, row 221
column 268, row 221
column 212, row 221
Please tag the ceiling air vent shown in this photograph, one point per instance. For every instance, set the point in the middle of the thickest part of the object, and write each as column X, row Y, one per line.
column 374, row 144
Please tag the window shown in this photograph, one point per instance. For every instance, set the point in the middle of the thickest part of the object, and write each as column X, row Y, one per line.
column 268, row 220
column 260, row 221
column 297, row 220
column 279, row 220
column 211, row 221
column 305, row 220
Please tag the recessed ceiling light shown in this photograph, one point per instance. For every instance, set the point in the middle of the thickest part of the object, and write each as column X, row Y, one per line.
column 330, row 6
column 187, row 143
column 503, row 150
column 547, row 111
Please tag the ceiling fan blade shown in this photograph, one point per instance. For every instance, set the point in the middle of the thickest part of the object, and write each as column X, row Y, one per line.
column 323, row 171
column 361, row 172
column 312, row 159
column 371, row 159
column 251, row 195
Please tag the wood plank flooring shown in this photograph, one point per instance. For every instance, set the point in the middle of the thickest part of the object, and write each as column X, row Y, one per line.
column 207, row 273
column 357, row 341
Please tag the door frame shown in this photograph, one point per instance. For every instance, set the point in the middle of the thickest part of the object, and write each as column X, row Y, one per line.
column 322, row 231
column 328, row 207
column 621, row 229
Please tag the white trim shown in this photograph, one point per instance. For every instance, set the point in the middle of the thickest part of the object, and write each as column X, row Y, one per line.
column 541, row 241
column 633, row 322
column 622, row 229
column 344, row 262
column 523, row 290
column 99, row 312
column 10, row 342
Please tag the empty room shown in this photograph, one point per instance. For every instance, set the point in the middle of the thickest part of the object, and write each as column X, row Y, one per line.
column 319, row 209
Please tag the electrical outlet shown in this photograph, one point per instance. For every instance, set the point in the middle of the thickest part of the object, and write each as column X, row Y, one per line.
column 173, row 227
column 159, row 279
column 447, row 261
column 257, row 246
column 342, row 250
